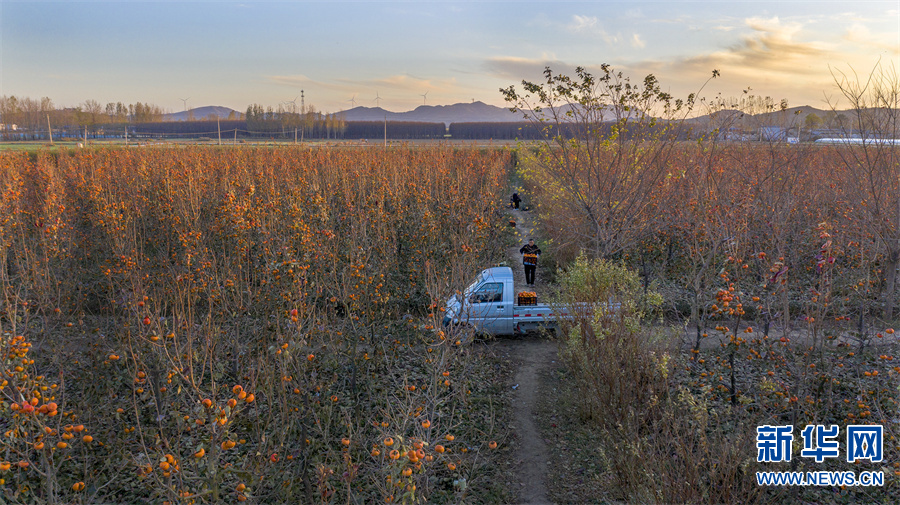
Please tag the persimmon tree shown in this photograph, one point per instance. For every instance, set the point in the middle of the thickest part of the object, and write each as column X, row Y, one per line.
column 873, row 165
column 605, row 142
column 241, row 324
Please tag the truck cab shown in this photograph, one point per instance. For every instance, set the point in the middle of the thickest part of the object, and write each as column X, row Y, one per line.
column 488, row 301
column 489, row 305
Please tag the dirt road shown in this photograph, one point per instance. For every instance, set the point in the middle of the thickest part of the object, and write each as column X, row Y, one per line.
column 530, row 356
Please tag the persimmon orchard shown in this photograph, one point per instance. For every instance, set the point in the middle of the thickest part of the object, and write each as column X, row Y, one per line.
column 209, row 325
column 224, row 325
column 774, row 263
column 772, row 284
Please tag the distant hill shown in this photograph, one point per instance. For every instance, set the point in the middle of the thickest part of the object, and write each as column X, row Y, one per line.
column 793, row 116
column 480, row 112
column 474, row 112
column 201, row 113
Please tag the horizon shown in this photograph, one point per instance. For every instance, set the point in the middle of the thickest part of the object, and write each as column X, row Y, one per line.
column 400, row 55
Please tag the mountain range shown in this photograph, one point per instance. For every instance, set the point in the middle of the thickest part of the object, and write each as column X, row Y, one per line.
column 204, row 113
column 456, row 113
column 477, row 111
column 473, row 112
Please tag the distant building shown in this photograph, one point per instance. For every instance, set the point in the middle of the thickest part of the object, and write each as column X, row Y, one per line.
column 834, row 133
column 736, row 135
column 8, row 127
column 773, row 133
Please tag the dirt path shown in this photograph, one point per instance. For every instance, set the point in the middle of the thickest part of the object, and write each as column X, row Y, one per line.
column 530, row 356
column 524, row 230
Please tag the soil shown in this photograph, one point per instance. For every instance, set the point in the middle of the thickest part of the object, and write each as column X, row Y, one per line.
column 530, row 356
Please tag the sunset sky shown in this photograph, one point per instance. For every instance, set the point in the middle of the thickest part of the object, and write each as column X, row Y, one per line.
column 237, row 53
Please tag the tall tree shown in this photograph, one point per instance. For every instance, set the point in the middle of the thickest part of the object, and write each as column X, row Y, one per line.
column 874, row 165
column 92, row 111
column 603, row 155
column 812, row 121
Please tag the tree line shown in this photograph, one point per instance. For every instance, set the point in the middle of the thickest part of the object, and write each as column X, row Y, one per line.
column 33, row 117
column 729, row 118
column 33, row 114
column 309, row 122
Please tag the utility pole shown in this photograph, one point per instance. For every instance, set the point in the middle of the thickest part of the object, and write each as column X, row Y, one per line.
column 49, row 130
column 219, row 127
column 385, row 131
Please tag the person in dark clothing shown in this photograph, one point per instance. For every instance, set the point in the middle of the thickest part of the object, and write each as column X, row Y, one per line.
column 515, row 200
column 530, row 253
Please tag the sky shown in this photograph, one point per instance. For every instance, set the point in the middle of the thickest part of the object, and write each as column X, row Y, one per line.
column 341, row 54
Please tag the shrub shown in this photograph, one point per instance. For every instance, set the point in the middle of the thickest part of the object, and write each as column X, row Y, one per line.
column 616, row 370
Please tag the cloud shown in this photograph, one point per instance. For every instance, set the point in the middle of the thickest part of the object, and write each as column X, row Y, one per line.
column 515, row 68
column 771, row 59
column 290, row 80
column 859, row 34
column 583, row 23
column 770, row 48
column 773, row 26
column 637, row 42
column 782, row 58
column 590, row 25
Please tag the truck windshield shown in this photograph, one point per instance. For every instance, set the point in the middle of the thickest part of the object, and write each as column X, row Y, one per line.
column 472, row 286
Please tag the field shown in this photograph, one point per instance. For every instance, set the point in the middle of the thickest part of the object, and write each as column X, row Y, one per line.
column 198, row 325
column 66, row 145
column 759, row 282
column 204, row 325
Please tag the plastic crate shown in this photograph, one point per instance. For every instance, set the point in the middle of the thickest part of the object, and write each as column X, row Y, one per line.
column 527, row 298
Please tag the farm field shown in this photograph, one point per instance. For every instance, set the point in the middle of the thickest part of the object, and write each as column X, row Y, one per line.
column 251, row 142
column 449, row 253
column 203, row 326
column 759, row 289
column 208, row 325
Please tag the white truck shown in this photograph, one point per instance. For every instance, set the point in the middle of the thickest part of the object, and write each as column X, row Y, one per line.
column 490, row 305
